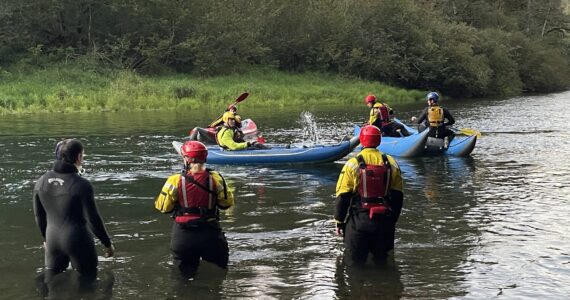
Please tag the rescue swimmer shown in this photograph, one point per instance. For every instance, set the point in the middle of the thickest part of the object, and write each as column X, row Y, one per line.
column 67, row 215
column 195, row 198
column 381, row 117
column 369, row 200
column 437, row 119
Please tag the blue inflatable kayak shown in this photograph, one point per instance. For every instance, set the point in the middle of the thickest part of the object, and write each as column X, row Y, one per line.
column 461, row 145
column 280, row 154
column 408, row 146
column 419, row 144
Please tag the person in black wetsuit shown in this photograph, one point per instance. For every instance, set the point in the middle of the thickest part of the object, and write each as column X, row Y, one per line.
column 66, row 213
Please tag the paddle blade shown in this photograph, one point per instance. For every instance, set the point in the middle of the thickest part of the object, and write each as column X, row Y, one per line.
column 241, row 98
column 261, row 139
column 468, row 131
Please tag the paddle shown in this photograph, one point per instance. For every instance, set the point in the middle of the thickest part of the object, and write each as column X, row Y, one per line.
column 238, row 100
column 468, row 131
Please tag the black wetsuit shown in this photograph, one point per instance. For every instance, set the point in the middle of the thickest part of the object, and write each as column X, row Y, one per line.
column 63, row 205
column 442, row 130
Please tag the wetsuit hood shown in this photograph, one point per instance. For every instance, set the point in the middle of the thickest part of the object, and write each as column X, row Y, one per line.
column 61, row 166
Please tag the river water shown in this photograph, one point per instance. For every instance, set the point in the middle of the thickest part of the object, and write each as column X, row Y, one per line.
column 491, row 226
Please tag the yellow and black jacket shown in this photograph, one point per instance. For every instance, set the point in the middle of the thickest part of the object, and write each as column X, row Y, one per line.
column 226, row 139
column 349, row 180
column 167, row 200
column 375, row 115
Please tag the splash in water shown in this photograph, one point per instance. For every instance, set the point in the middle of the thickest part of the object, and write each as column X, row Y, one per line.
column 309, row 127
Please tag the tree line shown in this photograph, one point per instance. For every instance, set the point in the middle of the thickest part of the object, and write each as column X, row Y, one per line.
column 467, row 48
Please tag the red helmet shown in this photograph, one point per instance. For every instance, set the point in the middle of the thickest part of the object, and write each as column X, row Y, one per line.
column 196, row 151
column 370, row 99
column 370, row 136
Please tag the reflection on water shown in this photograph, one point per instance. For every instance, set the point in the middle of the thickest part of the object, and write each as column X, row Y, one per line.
column 369, row 281
column 491, row 225
column 68, row 285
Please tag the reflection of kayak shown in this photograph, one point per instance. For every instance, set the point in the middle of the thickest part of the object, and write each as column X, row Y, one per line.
column 280, row 154
column 408, row 146
column 207, row 135
column 419, row 144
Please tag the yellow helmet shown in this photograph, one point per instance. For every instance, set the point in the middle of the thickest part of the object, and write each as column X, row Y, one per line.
column 228, row 115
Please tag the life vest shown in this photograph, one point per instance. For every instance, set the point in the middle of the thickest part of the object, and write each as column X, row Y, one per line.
column 374, row 186
column 382, row 115
column 197, row 198
column 435, row 116
column 238, row 135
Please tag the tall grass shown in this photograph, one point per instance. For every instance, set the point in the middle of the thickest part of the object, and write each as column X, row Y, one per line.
column 66, row 88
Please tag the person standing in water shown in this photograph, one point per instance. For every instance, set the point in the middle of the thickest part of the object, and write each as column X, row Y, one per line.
column 369, row 200
column 67, row 215
column 195, row 198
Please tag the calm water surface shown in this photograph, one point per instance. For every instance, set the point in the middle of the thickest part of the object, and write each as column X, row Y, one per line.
column 491, row 226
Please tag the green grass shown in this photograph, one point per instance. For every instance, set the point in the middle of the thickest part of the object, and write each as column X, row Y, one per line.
column 69, row 88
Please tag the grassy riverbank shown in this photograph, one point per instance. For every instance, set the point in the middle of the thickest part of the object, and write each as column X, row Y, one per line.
column 68, row 88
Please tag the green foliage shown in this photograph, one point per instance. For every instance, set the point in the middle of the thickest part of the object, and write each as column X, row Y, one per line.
column 462, row 47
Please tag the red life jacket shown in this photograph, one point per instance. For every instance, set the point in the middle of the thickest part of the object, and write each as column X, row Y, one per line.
column 374, row 186
column 196, row 196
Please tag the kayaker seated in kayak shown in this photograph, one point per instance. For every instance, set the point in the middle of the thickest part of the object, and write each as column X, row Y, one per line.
column 434, row 117
column 229, row 137
column 380, row 116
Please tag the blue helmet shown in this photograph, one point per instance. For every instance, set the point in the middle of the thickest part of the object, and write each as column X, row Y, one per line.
column 432, row 95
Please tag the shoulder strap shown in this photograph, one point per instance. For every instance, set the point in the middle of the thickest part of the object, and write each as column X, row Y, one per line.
column 361, row 163
column 388, row 171
column 386, row 161
column 223, row 182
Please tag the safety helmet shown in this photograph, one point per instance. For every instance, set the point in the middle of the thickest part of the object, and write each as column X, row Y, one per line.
column 228, row 115
column 370, row 99
column 432, row 95
column 195, row 151
column 370, row 136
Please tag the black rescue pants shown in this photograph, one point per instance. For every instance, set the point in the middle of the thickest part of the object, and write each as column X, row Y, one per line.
column 441, row 132
column 188, row 245
column 394, row 129
column 363, row 236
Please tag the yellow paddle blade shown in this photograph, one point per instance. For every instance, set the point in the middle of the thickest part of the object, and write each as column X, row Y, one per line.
column 468, row 131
